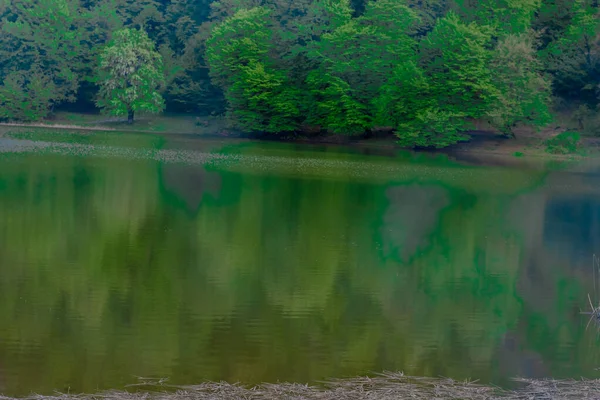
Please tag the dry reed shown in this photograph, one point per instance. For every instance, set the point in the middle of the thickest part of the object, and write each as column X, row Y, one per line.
column 385, row 386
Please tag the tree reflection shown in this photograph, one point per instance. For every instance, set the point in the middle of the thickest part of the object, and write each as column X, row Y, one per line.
column 112, row 269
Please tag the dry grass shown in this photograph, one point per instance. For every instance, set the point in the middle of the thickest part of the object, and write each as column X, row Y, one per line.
column 594, row 312
column 382, row 387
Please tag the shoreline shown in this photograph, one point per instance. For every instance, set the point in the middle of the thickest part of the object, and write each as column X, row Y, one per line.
column 385, row 386
column 483, row 143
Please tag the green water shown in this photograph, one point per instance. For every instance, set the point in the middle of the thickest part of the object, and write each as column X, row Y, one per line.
column 131, row 256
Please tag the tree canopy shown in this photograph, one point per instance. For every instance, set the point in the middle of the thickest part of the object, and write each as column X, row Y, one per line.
column 426, row 69
column 131, row 73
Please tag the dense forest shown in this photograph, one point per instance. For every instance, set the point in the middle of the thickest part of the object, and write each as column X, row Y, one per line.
column 425, row 69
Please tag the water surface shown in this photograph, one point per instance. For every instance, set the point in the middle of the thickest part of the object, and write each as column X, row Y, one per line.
column 124, row 256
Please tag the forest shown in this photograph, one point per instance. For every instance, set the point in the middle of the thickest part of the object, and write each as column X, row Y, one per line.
column 423, row 69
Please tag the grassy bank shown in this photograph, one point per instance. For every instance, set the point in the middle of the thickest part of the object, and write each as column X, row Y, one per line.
column 383, row 387
column 173, row 123
column 483, row 140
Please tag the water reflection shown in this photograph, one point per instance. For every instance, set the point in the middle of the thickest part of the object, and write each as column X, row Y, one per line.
column 111, row 269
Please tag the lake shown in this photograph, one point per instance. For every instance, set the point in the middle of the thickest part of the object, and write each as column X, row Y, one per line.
column 126, row 256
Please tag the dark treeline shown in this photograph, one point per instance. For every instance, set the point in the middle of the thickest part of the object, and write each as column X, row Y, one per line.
column 424, row 68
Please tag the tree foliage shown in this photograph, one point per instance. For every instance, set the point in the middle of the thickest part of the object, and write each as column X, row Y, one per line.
column 505, row 16
column 130, row 75
column 426, row 69
column 356, row 59
column 259, row 94
column 574, row 57
column 346, row 66
column 523, row 90
column 39, row 45
column 455, row 60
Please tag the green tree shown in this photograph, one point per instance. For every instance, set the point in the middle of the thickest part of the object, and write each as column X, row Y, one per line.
column 407, row 105
column 573, row 57
column 355, row 61
column 505, row 16
column 428, row 11
column 261, row 101
column 552, row 20
column 455, row 58
column 148, row 15
column 337, row 109
column 348, row 66
column 40, row 40
column 26, row 95
column 130, row 75
column 260, row 96
column 179, row 28
column 187, row 82
column 401, row 97
column 523, row 91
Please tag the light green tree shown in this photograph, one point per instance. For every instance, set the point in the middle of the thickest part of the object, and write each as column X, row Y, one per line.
column 408, row 104
column 355, row 60
column 523, row 91
column 262, row 101
column 130, row 75
column 260, row 95
column 455, row 58
column 401, row 97
column 239, row 40
column 337, row 108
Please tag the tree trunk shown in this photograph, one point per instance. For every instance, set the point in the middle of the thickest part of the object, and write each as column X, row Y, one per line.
column 130, row 117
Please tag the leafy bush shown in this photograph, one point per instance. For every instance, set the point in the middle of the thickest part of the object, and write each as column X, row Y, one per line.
column 563, row 143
